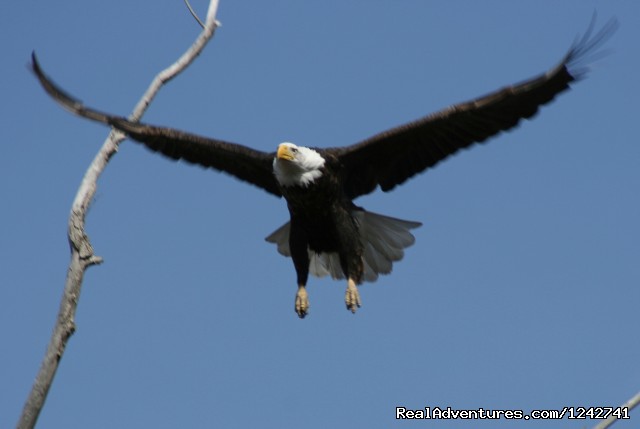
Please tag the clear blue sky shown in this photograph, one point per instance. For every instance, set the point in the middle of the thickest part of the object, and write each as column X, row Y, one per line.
column 521, row 292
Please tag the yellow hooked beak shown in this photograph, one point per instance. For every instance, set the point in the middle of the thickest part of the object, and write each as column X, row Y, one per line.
column 285, row 152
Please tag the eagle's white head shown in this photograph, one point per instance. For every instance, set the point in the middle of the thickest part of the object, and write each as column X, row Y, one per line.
column 297, row 165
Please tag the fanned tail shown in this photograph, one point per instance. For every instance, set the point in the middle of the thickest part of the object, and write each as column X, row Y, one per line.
column 384, row 239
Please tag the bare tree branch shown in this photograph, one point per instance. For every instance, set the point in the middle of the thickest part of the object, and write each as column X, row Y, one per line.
column 82, row 255
column 193, row 13
column 630, row 405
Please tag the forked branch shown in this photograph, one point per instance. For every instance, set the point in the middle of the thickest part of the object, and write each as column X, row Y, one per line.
column 82, row 255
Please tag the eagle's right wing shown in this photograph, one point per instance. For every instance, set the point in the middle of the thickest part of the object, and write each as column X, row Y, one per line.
column 250, row 165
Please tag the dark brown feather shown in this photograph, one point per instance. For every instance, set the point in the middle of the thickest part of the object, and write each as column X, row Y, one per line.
column 390, row 158
column 246, row 164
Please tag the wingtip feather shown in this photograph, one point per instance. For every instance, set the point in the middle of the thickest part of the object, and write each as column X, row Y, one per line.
column 586, row 48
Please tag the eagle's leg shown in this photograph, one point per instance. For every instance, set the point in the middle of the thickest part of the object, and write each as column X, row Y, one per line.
column 352, row 297
column 302, row 301
column 352, row 265
column 300, row 255
column 298, row 244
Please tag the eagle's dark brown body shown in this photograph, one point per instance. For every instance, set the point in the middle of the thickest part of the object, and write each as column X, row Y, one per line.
column 322, row 221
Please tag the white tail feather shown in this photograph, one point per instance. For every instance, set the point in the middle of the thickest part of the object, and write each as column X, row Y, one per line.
column 384, row 239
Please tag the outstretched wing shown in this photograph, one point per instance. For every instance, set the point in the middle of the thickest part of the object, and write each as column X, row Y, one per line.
column 391, row 157
column 246, row 164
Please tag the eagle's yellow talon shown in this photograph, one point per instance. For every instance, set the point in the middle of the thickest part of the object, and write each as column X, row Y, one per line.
column 302, row 302
column 352, row 296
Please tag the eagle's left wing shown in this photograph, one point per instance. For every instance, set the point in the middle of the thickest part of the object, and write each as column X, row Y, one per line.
column 390, row 158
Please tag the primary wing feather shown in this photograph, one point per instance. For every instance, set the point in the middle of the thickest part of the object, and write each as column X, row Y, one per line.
column 390, row 158
column 246, row 164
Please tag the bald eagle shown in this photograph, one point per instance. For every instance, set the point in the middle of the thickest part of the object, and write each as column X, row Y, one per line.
column 328, row 234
